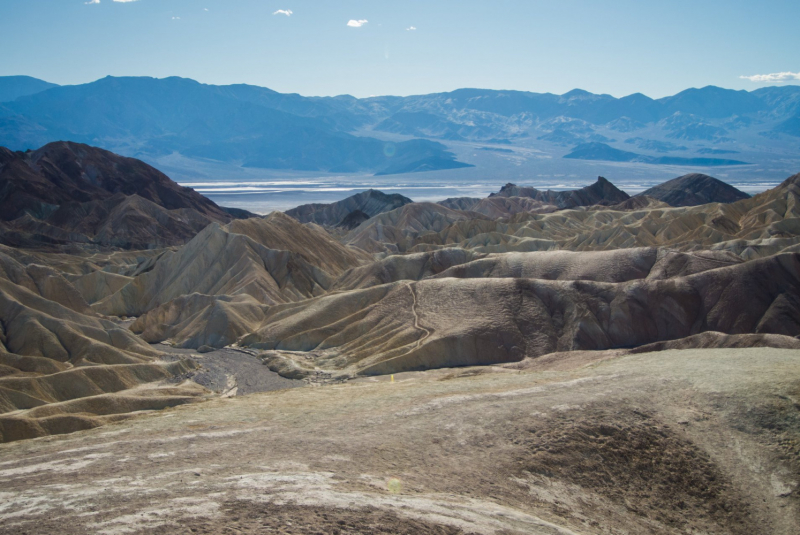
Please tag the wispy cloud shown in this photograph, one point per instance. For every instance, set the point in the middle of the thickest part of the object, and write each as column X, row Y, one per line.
column 176, row 18
column 287, row 12
column 356, row 23
column 774, row 77
column 411, row 28
column 125, row 1
column 92, row 2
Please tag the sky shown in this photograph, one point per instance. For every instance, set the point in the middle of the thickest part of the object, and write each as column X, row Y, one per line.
column 404, row 47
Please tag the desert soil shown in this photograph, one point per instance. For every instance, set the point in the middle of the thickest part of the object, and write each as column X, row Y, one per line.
column 694, row 441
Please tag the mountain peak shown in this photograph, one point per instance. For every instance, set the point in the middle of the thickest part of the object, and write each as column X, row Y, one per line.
column 578, row 93
column 695, row 189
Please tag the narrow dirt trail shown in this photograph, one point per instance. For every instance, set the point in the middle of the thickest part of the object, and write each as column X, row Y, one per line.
column 417, row 324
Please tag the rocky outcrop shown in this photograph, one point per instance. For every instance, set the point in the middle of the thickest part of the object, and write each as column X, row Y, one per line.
column 281, row 232
column 36, row 326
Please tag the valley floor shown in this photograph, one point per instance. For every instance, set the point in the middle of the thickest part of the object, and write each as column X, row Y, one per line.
column 693, row 441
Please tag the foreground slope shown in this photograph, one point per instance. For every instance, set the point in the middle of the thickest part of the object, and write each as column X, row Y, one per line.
column 597, row 444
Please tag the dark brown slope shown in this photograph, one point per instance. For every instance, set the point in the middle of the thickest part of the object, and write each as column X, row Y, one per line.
column 73, row 193
column 128, row 222
column 601, row 192
column 693, row 190
column 371, row 202
column 63, row 172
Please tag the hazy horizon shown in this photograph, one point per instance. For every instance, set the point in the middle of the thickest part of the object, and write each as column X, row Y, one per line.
column 506, row 89
column 362, row 48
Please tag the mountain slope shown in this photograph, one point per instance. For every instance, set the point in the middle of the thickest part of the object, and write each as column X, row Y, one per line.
column 273, row 260
column 64, row 172
column 13, row 87
column 155, row 117
column 498, row 207
column 257, row 127
column 447, row 322
column 63, row 368
column 763, row 225
column 72, row 193
column 395, row 230
column 371, row 202
column 695, row 189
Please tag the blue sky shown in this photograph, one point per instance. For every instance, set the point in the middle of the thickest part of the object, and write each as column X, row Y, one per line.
column 616, row 47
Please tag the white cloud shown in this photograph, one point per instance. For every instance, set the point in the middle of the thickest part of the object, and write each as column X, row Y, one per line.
column 92, row 2
column 356, row 23
column 176, row 18
column 774, row 77
column 125, row 1
column 287, row 12
column 411, row 28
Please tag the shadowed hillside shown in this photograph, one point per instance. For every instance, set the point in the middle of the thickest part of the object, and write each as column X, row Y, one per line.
column 68, row 192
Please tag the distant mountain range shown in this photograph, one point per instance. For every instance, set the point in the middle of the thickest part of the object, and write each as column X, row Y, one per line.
column 257, row 127
column 250, row 125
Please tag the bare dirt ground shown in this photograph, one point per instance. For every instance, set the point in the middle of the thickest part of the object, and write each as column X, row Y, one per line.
column 230, row 372
column 694, row 441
